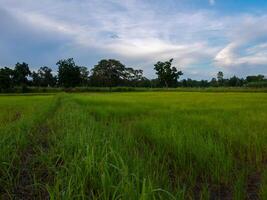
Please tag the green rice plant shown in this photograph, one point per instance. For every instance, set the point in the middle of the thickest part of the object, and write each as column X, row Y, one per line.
column 149, row 145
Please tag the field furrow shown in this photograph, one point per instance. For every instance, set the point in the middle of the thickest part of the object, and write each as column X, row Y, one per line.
column 160, row 145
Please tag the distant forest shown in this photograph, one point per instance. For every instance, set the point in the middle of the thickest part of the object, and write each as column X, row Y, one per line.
column 112, row 73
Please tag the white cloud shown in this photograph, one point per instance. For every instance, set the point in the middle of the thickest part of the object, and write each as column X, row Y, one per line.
column 144, row 33
column 228, row 57
column 139, row 34
column 247, row 44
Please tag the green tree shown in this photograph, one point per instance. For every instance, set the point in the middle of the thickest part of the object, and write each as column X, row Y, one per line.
column 220, row 78
column 234, row 81
column 257, row 78
column 21, row 72
column 84, row 76
column 6, row 76
column 134, row 76
column 108, row 73
column 167, row 75
column 213, row 82
column 68, row 73
column 36, row 79
column 43, row 77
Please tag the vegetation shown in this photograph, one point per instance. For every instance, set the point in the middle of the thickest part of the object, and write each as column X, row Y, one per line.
column 111, row 73
column 167, row 75
column 160, row 145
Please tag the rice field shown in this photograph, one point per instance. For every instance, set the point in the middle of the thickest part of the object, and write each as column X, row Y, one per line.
column 135, row 145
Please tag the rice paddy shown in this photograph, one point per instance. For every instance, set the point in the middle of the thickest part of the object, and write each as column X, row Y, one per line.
column 135, row 145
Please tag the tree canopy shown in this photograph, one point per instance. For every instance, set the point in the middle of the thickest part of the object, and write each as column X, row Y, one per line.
column 44, row 77
column 111, row 73
column 167, row 74
column 68, row 73
column 6, row 78
column 21, row 72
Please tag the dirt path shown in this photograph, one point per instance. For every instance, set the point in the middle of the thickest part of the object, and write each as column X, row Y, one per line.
column 32, row 176
column 26, row 188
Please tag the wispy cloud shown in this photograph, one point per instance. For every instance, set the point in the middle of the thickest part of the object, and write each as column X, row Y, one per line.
column 141, row 33
column 247, row 43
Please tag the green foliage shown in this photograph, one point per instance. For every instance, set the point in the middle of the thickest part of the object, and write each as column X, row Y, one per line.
column 6, row 78
column 220, row 77
column 257, row 78
column 108, row 73
column 21, row 72
column 84, row 76
column 68, row 73
column 167, row 74
column 262, row 84
column 235, row 82
column 43, row 77
column 111, row 73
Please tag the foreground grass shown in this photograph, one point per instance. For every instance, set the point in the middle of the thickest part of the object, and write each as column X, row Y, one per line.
column 157, row 145
column 18, row 118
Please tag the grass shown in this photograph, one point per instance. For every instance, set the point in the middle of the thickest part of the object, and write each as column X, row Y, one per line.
column 149, row 145
column 252, row 88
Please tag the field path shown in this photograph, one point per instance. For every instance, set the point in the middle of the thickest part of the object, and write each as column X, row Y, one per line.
column 26, row 187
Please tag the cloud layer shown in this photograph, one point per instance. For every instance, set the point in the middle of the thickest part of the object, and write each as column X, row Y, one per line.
column 201, row 40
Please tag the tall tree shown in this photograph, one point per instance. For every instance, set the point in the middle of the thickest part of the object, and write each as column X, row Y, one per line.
column 21, row 72
column 84, row 76
column 220, row 78
column 167, row 75
column 108, row 73
column 68, row 73
column 213, row 82
column 36, row 79
column 134, row 76
column 235, row 82
column 6, row 76
column 43, row 77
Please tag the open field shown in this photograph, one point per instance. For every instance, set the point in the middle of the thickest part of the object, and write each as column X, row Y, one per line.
column 138, row 145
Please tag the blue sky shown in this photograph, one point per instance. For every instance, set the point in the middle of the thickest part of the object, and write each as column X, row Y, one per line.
column 203, row 36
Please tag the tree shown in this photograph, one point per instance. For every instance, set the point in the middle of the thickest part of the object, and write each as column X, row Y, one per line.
column 220, row 78
column 204, row 83
column 84, row 76
column 6, row 76
column 36, row 79
column 167, row 75
column 43, row 77
column 133, row 76
column 108, row 73
column 144, row 82
column 234, row 81
column 21, row 72
column 68, row 73
column 257, row 78
column 213, row 82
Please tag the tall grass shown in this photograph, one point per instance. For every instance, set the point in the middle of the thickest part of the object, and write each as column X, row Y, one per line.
column 18, row 117
column 154, row 145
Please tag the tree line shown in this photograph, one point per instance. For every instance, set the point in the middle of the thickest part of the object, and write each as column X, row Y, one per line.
column 109, row 73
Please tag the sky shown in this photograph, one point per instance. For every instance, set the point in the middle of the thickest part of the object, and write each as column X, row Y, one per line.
column 203, row 36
